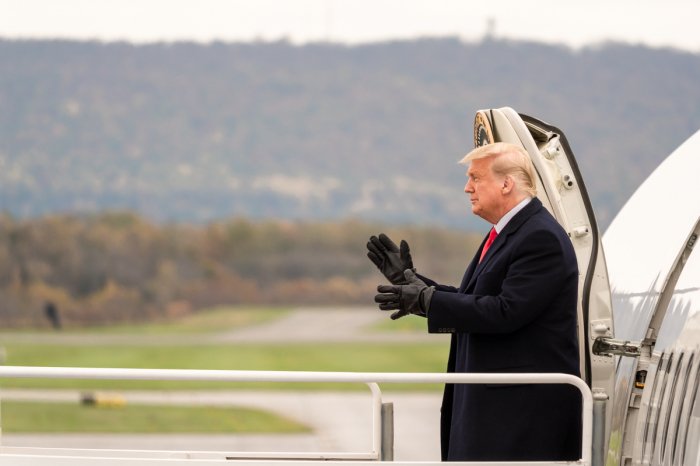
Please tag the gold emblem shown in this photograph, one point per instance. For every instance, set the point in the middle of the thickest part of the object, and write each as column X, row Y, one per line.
column 482, row 130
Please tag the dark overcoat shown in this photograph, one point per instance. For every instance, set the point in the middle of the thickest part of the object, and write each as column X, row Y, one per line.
column 514, row 312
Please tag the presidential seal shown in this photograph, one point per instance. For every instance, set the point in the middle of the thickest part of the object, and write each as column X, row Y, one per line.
column 482, row 130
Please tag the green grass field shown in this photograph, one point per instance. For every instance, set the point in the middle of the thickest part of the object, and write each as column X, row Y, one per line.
column 408, row 324
column 319, row 357
column 205, row 321
column 64, row 417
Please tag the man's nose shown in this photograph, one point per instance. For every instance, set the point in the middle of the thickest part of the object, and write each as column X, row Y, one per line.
column 467, row 188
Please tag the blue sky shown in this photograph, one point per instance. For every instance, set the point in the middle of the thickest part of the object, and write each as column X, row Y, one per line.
column 671, row 23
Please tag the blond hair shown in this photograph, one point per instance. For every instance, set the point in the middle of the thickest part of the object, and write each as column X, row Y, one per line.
column 508, row 160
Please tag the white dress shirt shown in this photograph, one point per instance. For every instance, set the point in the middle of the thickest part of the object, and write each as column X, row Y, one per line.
column 506, row 218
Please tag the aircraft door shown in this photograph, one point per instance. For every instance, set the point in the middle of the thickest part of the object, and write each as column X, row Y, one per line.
column 562, row 191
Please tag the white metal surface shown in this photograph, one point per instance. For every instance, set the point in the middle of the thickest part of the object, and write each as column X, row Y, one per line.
column 645, row 239
column 646, row 248
column 665, row 413
column 370, row 379
column 189, row 455
column 549, row 184
column 684, row 304
column 26, row 460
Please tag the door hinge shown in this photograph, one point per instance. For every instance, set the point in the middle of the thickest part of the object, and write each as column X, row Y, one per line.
column 604, row 346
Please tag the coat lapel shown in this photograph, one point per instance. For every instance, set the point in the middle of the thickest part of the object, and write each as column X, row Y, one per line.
column 528, row 211
column 472, row 266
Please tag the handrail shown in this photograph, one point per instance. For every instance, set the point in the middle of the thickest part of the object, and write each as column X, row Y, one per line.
column 368, row 378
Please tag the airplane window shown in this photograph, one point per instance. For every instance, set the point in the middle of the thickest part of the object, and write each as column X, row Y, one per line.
column 691, row 455
column 669, row 405
column 681, row 400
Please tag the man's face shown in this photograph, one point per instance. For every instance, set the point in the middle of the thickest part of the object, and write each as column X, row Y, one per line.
column 485, row 193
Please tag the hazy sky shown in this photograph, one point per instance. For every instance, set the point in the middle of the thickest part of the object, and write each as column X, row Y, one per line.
column 658, row 23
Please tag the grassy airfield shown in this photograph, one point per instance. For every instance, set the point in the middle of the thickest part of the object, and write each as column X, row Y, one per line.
column 208, row 321
column 333, row 358
column 25, row 416
column 20, row 417
column 327, row 357
column 408, row 324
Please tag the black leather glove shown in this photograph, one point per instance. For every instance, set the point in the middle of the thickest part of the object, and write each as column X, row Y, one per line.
column 413, row 298
column 389, row 259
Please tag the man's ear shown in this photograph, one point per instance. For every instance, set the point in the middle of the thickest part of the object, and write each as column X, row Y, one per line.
column 508, row 184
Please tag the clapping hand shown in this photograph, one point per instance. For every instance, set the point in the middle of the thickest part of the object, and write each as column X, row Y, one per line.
column 391, row 260
column 412, row 298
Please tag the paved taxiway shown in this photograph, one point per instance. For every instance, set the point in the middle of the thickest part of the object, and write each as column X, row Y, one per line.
column 342, row 422
column 303, row 325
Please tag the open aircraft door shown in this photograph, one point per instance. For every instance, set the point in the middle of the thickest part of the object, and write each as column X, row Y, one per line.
column 563, row 193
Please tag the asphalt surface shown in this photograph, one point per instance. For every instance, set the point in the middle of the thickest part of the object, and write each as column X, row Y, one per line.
column 301, row 326
column 341, row 422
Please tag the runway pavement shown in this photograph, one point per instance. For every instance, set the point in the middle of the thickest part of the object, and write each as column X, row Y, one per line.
column 341, row 422
column 300, row 326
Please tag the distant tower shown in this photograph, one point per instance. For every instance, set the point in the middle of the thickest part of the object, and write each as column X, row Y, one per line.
column 490, row 29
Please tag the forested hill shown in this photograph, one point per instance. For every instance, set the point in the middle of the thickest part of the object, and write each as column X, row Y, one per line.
column 196, row 132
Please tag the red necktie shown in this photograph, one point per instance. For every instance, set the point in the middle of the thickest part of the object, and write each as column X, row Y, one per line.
column 489, row 242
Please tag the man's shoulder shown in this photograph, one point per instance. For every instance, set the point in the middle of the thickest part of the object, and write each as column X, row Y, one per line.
column 543, row 219
column 543, row 225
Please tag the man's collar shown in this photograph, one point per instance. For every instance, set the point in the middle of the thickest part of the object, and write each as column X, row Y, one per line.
column 511, row 213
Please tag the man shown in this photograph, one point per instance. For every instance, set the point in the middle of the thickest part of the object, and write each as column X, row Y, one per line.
column 515, row 311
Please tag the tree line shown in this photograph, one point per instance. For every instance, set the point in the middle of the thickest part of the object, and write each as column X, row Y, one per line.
column 120, row 267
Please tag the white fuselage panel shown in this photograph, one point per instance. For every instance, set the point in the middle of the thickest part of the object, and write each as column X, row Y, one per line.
column 645, row 239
